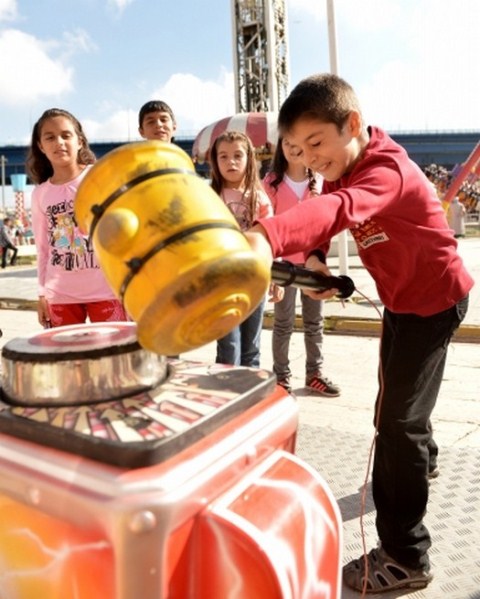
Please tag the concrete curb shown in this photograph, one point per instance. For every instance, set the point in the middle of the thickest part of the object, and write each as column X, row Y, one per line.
column 368, row 327
column 10, row 303
column 337, row 325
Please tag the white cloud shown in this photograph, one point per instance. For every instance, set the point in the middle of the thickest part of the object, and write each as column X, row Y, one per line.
column 411, row 57
column 427, row 85
column 415, row 64
column 403, row 96
column 76, row 41
column 120, row 126
column 119, row 5
column 368, row 15
column 32, row 74
column 8, row 10
column 305, row 9
column 197, row 103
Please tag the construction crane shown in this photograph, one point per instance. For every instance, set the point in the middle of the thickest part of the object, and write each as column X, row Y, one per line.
column 260, row 53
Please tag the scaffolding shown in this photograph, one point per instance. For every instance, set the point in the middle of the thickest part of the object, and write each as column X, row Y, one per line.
column 260, row 53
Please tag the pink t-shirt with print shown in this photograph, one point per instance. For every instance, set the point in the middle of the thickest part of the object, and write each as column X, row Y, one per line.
column 68, row 272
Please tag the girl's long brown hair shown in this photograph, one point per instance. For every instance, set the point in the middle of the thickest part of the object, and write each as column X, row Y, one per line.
column 252, row 177
column 39, row 167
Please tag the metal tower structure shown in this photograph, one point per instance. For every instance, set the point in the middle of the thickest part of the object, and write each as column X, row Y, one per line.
column 260, row 54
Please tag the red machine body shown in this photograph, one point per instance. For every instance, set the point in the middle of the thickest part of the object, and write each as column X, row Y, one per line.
column 186, row 488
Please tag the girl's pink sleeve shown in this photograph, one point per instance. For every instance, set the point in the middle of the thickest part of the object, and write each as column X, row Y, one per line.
column 264, row 205
column 270, row 191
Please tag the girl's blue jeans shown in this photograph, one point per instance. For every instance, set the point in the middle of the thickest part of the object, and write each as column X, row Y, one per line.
column 241, row 347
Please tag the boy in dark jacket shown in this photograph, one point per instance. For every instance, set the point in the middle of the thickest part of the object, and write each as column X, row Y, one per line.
column 6, row 243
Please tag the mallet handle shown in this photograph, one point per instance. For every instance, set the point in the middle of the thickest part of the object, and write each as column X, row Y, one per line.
column 285, row 273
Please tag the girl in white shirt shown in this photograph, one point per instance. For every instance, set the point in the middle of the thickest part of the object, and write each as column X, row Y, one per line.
column 287, row 184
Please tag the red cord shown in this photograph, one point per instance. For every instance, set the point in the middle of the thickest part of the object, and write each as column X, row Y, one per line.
column 370, row 454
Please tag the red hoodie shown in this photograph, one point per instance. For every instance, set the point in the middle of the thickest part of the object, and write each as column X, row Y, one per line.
column 398, row 223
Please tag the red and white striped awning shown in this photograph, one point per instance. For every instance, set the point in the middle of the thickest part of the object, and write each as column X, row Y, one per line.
column 261, row 128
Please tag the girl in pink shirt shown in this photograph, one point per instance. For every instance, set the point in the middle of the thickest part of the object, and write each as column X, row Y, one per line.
column 235, row 178
column 71, row 285
column 288, row 184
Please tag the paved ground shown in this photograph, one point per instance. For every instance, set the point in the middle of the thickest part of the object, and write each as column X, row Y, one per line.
column 336, row 434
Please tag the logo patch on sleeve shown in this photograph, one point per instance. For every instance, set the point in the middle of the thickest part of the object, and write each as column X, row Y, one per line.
column 368, row 233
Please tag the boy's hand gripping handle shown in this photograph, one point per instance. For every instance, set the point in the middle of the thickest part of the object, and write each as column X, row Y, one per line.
column 285, row 273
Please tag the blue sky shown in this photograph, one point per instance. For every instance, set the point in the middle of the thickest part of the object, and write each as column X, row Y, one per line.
column 414, row 63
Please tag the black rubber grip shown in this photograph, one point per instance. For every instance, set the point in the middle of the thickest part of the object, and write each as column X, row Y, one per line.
column 285, row 273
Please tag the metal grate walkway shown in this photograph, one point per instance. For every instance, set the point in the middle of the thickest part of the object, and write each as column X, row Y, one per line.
column 453, row 516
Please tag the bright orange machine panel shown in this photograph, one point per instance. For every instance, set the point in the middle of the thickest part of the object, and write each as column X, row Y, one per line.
column 43, row 557
column 187, row 489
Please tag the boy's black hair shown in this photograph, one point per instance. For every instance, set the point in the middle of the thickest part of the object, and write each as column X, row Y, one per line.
column 324, row 97
column 154, row 106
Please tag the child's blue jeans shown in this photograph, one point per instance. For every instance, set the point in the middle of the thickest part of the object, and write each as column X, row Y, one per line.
column 241, row 347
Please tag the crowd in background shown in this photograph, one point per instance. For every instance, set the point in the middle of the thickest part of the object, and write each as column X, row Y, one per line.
column 468, row 194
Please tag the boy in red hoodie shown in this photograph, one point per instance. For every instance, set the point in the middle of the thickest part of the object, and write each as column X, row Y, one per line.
column 372, row 188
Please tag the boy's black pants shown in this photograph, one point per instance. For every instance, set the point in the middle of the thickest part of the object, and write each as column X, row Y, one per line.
column 413, row 355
